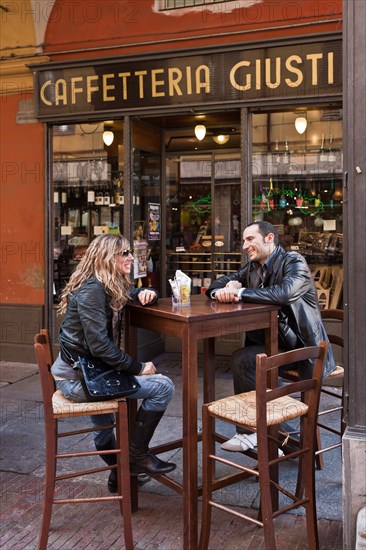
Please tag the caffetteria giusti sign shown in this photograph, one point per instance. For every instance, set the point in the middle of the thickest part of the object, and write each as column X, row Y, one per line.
column 309, row 70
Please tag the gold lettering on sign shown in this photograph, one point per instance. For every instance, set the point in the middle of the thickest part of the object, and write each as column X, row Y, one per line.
column 155, row 83
column 141, row 75
column 60, row 91
column 124, row 84
column 90, row 89
column 44, row 86
column 330, row 68
column 205, row 82
column 300, row 77
column 248, row 82
column 268, row 73
column 75, row 89
column 256, row 72
column 314, row 57
column 258, row 81
column 107, row 87
column 189, row 80
column 174, row 77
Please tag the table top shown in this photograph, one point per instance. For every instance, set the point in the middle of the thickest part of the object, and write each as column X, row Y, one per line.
column 201, row 308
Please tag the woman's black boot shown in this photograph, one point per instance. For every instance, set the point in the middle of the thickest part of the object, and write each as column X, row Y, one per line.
column 111, row 460
column 141, row 460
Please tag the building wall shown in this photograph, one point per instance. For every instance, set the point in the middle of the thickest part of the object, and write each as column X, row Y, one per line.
column 22, row 205
column 98, row 29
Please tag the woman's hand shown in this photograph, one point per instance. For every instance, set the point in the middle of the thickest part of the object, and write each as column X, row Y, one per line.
column 148, row 369
column 146, row 296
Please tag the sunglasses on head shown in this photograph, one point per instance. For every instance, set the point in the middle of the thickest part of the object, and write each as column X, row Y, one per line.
column 126, row 252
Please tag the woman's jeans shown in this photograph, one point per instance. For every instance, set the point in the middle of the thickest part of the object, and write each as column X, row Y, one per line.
column 156, row 391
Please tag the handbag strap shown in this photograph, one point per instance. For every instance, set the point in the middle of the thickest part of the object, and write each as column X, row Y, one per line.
column 66, row 355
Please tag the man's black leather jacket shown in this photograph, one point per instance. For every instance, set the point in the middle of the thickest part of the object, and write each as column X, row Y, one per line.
column 288, row 284
column 88, row 328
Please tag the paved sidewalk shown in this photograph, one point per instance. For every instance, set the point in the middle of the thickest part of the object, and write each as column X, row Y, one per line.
column 158, row 522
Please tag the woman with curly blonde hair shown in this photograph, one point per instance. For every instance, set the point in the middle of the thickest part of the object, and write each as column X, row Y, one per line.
column 93, row 302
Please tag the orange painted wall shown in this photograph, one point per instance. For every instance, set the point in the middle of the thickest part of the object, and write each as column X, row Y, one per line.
column 137, row 29
column 21, row 208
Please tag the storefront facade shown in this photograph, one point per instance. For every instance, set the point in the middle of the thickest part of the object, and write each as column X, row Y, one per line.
column 150, row 73
column 182, row 200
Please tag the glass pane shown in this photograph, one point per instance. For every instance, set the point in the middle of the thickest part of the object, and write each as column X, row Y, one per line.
column 297, row 182
column 188, row 214
column 203, row 240
column 87, row 191
column 147, row 216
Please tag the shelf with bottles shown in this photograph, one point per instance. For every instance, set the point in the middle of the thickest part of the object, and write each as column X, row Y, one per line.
column 89, row 194
column 308, row 196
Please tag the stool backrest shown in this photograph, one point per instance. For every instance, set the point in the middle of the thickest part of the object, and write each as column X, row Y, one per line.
column 43, row 350
column 333, row 315
column 309, row 388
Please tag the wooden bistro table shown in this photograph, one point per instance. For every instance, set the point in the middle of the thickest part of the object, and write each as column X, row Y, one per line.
column 203, row 320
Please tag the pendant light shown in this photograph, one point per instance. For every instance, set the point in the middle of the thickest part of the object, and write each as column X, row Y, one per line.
column 200, row 131
column 301, row 124
column 108, row 135
column 221, row 139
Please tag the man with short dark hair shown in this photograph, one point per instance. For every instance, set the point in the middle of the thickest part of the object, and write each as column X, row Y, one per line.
column 271, row 276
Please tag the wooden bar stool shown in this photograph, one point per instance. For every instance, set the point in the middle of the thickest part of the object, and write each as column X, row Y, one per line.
column 260, row 411
column 57, row 407
column 333, row 386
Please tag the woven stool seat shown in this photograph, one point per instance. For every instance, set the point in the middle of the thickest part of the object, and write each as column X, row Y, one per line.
column 338, row 371
column 242, row 409
column 64, row 408
column 335, row 378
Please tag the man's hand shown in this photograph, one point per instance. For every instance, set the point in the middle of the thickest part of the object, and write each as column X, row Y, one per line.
column 146, row 296
column 228, row 294
column 148, row 369
column 234, row 285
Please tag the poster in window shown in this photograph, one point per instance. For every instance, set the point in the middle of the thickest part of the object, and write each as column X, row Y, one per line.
column 154, row 221
column 140, row 259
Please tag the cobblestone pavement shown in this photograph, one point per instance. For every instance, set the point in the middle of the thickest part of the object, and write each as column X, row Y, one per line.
column 158, row 522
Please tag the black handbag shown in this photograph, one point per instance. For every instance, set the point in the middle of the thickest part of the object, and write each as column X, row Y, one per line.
column 102, row 382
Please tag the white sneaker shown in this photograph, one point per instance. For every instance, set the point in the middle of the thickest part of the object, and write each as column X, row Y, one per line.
column 240, row 442
column 243, row 442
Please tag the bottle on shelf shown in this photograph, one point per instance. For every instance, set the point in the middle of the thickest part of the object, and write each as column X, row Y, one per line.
column 106, row 198
column 91, row 197
column 99, row 199
column 136, row 198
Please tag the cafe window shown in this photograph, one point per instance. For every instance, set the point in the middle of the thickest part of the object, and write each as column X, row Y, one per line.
column 88, row 192
column 297, row 186
column 203, row 216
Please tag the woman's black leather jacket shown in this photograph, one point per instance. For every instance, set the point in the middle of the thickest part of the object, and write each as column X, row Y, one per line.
column 288, row 284
column 88, row 327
